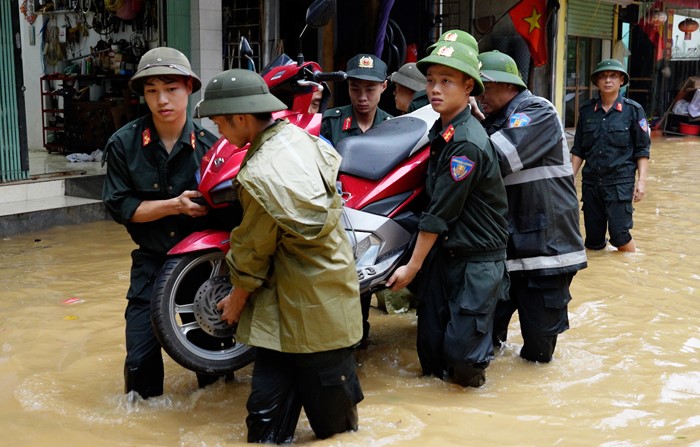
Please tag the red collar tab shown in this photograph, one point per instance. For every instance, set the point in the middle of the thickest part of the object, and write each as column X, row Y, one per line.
column 618, row 106
column 146, row 137
column 448, row 133
column 347, row 123
column 193, row 141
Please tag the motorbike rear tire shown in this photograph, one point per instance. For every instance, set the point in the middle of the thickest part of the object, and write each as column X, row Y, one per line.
column 177, row 329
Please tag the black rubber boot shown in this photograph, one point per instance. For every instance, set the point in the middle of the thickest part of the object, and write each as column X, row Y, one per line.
column 470, row 375
column 204, row 380
column 146, row 383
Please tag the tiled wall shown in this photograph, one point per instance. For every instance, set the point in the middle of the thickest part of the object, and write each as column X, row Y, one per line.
column 206, row 45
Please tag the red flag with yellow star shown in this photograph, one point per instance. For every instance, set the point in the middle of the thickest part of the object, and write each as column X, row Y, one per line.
column 530, row 20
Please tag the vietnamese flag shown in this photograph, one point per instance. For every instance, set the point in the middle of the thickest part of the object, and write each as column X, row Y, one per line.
column 530, row 20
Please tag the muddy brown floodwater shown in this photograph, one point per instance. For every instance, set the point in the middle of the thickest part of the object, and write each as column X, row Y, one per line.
column 627, row 373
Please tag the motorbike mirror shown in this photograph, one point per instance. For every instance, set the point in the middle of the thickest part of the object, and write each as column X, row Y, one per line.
column 244, row 48
column 246, row 52
column 320, row 12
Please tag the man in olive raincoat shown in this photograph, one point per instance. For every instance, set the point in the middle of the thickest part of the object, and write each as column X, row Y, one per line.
column 295, row 294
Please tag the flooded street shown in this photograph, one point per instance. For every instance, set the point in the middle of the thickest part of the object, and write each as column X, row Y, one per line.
column 627, row 373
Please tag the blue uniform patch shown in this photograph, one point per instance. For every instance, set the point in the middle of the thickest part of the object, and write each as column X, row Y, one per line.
column 643, row 124
column 519, row 120
column 461, row 167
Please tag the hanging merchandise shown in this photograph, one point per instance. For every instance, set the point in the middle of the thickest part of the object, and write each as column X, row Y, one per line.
column 124, row 9
column 27, row 10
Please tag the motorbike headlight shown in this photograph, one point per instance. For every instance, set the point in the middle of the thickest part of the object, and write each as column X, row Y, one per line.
column 366, row 249
column 223, row 193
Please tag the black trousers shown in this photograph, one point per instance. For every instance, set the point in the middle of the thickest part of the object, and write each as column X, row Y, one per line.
column 325, row 384
column 143, row 368
column 455, row 317
column 542, row 305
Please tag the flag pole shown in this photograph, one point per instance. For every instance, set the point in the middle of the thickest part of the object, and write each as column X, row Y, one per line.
column 498, row 20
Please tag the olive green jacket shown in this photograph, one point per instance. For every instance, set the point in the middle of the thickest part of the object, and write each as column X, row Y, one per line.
column 291, row 250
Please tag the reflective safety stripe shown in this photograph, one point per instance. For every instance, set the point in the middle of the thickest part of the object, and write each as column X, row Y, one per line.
column 539, row 173
column 547, row 262
column 508, row 150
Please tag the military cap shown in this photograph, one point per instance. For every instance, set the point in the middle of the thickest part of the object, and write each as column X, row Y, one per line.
column 456, row 35
column 610, row 65
column 409, row 76
column 236, row 92
column 458, row 56
column 499, row 67
column 367, row 67
column 163, row 61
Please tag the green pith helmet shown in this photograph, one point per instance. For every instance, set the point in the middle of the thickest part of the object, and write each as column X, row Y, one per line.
column 410, row 77
column 610, row 65
column 499, row 67
column 458, row 56
column 456, row 35
column 237, row 92
column 163, row 61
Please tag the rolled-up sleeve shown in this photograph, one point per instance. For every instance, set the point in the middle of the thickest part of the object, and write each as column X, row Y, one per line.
column 253, row 243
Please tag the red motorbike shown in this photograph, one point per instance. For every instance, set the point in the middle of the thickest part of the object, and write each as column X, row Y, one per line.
column 381, row 180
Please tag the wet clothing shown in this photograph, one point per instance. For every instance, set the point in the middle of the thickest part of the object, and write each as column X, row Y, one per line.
column 545, row 242
column 139, row 168
column 291, row 252
column 542, row 305
column 325, row 384
column 340, row 122
column 420, row 99
column 464, row 274
column 610, row 144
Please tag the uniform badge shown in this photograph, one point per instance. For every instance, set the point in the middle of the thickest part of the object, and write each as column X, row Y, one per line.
column 643, row 124
column 347, row 123
column 366, row 62
column 519, row 120
column 461, row 167
column 146, row 137
column 448, row 133
column 445, row 51
column 193, row 140
column 618, row 106
column 451, row 37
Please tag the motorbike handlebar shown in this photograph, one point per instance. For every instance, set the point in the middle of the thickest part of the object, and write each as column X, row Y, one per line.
column 200, row 201
column 324, row 76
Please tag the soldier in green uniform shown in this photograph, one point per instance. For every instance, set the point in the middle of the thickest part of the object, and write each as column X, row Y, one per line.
column 149, row 187
column 294, row 282
column 420, row 97
column 460, row 251
column 366, row 83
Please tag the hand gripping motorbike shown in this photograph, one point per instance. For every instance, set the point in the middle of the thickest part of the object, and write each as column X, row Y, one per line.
column 381, row 179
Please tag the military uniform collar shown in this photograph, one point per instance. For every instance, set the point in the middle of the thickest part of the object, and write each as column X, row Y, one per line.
column 618, row 105
column 149, row 135
column 454, row 129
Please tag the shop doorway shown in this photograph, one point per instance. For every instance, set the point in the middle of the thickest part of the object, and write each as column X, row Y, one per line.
column 582, row 56
column 14, row 157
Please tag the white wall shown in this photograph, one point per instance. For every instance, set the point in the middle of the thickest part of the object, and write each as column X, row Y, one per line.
column 207, row 46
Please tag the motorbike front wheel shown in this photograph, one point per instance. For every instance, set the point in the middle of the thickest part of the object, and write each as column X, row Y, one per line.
column 184, row 315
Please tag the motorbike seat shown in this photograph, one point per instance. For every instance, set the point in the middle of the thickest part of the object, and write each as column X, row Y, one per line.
column 376, row 152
